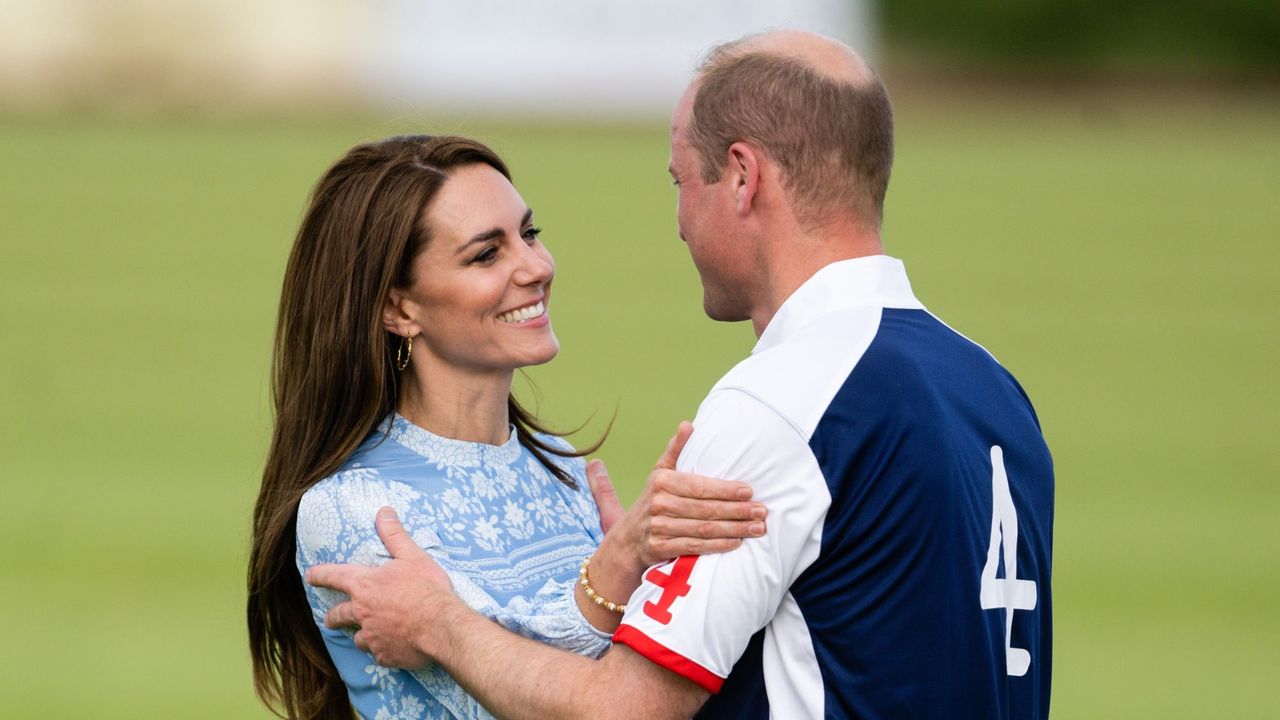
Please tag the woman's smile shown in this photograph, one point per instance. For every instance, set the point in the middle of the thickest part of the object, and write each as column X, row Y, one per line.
column 527, row 315
column 483, row 272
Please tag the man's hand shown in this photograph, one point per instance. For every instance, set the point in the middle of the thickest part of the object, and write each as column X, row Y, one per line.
column 398, row 609
column 677, row 513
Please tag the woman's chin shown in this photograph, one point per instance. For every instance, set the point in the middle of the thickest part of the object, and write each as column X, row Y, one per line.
column 542, row 355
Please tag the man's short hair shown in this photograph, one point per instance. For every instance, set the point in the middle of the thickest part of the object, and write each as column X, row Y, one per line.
column 832, row 138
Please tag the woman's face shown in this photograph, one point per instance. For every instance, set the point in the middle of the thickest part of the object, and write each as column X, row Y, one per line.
column 482, row 285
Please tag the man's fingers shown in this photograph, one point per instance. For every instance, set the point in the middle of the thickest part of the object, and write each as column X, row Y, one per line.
column 340, row 616
column 689, row 485
column 393, row 534
column 334, row 577
column 675, row 445
column 606, row 497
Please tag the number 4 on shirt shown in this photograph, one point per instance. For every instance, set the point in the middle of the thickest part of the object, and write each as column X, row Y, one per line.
column 674, row 585
column 1007, row 592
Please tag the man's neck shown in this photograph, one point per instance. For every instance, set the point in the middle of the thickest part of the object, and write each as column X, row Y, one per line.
column 792, row 261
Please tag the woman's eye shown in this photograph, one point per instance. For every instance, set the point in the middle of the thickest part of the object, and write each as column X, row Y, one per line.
column 486, row 255
column 532, row 234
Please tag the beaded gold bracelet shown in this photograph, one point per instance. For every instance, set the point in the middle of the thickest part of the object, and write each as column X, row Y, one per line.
column 591, row 593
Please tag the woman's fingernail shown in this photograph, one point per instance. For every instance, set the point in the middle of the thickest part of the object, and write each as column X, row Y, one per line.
column 757, row 512
column 756, row 528
column 744, row 493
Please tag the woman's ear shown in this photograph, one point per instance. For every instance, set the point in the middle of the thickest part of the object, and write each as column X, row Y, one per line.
column 395, row 316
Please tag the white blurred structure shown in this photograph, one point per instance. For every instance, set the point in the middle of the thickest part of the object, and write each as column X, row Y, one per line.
column 593, row 57
column 611, row 58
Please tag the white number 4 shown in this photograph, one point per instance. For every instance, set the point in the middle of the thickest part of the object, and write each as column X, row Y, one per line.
column 1007, row 592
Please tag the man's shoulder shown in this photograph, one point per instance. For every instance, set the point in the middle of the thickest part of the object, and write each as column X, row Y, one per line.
column 797, row 378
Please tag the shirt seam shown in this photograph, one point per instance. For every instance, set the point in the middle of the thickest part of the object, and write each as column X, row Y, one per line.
column 795, row 427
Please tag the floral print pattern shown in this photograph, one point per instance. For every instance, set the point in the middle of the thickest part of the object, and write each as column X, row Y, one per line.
column 509, row 534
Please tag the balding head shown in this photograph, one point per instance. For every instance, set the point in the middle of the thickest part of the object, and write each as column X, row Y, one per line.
column 829, row 57
column 811, row 104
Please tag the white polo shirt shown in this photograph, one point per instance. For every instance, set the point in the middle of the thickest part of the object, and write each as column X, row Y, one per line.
column 877, row 437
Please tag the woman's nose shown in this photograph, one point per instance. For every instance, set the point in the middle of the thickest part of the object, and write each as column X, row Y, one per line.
column 536, row 267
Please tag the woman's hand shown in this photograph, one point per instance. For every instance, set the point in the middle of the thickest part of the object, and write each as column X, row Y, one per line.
column 678, row 513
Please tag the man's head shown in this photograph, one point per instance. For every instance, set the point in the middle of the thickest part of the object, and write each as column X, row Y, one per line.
column 789, row 123
column 813, row 106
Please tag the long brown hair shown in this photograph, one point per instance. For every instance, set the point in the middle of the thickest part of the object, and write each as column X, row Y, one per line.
column 334, row 380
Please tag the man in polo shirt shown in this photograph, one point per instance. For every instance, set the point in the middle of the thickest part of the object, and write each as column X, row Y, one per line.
column 910, row 491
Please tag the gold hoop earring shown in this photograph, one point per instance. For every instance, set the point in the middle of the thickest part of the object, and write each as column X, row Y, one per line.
column 403, row 352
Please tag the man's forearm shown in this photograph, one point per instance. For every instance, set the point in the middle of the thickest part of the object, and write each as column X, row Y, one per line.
column 407, row 614
column 517, row 678
column 512, row 676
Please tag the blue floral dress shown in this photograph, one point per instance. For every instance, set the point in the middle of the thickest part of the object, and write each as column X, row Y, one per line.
column 510, row 535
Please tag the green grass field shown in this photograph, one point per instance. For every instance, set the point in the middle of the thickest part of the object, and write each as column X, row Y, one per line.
column 1123, row 264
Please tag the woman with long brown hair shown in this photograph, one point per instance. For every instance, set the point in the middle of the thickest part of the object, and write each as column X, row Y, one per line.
column 416, row 287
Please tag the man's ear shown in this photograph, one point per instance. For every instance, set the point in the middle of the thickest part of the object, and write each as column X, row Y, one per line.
column 395, row 316
column 744, row 175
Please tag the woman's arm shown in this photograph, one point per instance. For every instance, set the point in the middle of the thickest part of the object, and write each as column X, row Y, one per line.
column 676, row 514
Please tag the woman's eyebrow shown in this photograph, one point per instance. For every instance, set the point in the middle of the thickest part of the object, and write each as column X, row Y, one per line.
column 486, row 236
column 492, row 233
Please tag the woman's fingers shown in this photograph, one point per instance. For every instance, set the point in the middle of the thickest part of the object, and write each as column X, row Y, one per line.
column 676, row 444
column 691, row 485
column 606, row 497
column 690, row 514
column 679, row 528
column 697, row 509
column 667, row 548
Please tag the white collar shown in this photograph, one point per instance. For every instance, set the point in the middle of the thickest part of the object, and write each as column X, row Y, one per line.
column 872, row 281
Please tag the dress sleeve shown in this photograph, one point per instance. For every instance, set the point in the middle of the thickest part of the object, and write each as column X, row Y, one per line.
column 335, row 525
column 551, row 615
column 695, row 615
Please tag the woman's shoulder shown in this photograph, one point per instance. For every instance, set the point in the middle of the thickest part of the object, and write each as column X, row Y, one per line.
column 556, row 441
column 576, row 466
column 338, row 512
column 348, row 491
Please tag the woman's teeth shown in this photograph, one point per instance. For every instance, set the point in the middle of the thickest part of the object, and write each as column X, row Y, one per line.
column 524, row 313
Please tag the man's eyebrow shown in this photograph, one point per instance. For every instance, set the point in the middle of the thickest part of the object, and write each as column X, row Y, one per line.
column 492, row 233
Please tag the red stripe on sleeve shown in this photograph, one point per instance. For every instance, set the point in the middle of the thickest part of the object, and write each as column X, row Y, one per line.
column 667, row 658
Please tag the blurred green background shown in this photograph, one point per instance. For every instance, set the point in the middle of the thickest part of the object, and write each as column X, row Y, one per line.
column 1114, row 243
column 1077, row 37
column 1125, row 270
